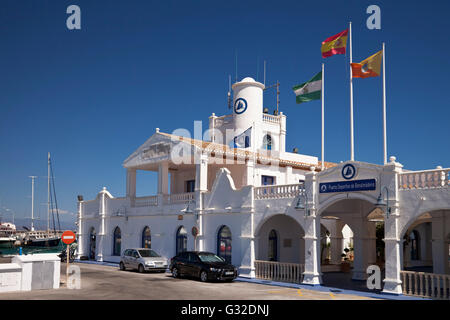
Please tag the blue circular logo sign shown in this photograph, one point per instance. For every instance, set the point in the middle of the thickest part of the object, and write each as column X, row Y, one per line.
column 240, row 105
column 348, row 171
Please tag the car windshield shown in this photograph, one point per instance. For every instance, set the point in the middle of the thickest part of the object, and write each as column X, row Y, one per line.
column 148, row 253
column 210, row 258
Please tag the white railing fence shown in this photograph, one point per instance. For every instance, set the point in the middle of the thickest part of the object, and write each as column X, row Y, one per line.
column 270, row 118
column 145, row 201
column 426, row 179
column 279, row 192
column 426, row 285
column 179, row 197
column 279, row 271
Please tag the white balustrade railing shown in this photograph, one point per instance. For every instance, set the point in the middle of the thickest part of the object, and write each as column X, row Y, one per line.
column 426, row 285
column 220, row 121
column 279, row 192
column 179, row 197
column 145, row 201
column 426, row 179
column 279, row 271
column 270, row 118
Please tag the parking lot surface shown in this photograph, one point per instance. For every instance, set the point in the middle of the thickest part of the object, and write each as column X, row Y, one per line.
column 100, row 282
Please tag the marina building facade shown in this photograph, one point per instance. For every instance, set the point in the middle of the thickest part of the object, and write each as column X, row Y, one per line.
column 240, row 194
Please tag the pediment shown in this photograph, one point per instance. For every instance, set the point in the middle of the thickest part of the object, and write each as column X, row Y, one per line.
column 157, row 148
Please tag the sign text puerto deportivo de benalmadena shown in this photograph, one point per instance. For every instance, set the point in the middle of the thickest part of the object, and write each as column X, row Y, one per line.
column 348, row 186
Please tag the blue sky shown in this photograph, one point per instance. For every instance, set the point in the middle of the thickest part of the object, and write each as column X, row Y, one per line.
column 92, row 96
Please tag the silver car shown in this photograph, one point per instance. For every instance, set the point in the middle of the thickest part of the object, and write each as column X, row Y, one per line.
column 143, row 260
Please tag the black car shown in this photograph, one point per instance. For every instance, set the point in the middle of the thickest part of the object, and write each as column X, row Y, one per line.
column 203, row 265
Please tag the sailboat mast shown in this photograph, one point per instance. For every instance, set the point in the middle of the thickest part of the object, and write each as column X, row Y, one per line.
column 48, row 195
column 32, row 202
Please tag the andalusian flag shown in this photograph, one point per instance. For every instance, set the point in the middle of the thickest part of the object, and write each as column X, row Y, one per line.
column 369, row 67
column 310, row 90
column 335, row 44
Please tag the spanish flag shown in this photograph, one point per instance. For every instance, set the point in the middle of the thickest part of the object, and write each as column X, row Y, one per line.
column 335, row 44
column 368, row 68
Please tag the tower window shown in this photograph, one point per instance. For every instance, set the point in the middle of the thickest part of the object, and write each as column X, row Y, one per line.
column 267, row 142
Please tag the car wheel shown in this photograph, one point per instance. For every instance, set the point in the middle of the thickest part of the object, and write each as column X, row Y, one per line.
column 141, row 268
column 175, row 273
column 122, row 266
column 203, row 276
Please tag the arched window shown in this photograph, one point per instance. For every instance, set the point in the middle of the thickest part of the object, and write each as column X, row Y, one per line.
column 181, row 240
column 414, row 243
column 273, row 246
column 267, row 142
column 224, row 243
column 146, row 238
column 92, row 243
column 117, row 242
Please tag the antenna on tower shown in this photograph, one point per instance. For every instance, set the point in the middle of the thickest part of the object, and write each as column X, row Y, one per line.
column 264, row 72
column 235, row 64
column 229, row 91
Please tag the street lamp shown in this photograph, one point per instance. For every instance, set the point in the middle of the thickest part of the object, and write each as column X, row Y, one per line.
column 381, row 203
column 302, row 204
column 188, row 209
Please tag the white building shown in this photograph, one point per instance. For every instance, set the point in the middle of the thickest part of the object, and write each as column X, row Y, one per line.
column 262, row 203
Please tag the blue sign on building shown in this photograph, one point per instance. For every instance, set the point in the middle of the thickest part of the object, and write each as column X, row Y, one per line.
column 348, row 186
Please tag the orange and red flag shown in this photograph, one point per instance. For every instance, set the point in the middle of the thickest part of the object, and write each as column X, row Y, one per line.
column 369, row 67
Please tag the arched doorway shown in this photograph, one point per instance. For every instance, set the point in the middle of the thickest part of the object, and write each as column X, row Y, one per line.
column 146, row 238
column 181, row 240
column 117, row 242
column 224, row 243
column 92, row 244
column 352, row 223
column 417, row 253
column 280, row 236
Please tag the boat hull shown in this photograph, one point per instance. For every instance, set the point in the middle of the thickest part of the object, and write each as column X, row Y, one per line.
column 50, row 242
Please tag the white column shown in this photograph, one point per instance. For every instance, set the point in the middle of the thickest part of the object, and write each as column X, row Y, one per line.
column 439, row 243
column 102, row 232
column 131, row 183
column 201, row 185
column 289, row 176
column 163, row 178
column 282, row 132
column 392, row 238
column 336, row 249
column 312, row 274
column 80, row 235
column 201, row 173
column 360, row 246
column 250, row 173
column 392, row 281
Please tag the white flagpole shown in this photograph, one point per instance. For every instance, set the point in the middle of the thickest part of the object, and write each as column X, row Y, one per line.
column 323, row 115
column 352, row 149
column 384, row 108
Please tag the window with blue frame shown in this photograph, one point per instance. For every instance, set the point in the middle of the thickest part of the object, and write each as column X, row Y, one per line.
column 267, row 142
column 181, row 241
column 117, row 242
column 146, row 238
column 267, row 180
column 224, row 243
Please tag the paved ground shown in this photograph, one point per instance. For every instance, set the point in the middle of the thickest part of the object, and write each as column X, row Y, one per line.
column 109, row 283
